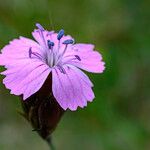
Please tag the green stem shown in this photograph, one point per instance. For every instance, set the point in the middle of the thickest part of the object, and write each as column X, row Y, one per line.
column 49, row 141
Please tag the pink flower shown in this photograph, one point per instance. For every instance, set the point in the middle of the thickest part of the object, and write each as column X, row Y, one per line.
column 28, row 64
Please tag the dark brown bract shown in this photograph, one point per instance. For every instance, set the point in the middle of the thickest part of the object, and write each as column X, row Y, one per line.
column 42, row 110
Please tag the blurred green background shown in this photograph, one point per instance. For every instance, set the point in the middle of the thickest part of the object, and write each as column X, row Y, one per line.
column 118, row 119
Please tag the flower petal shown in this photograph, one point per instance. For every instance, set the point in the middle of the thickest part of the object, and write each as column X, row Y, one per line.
column 83, row 47
column 18, row 51
column 90, row 60
column 71, row 89
column 26, row 79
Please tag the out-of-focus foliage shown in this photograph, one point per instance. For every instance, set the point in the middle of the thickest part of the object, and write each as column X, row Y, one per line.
column 118, row 119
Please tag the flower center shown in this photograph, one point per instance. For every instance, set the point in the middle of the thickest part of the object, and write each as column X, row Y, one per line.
column 52, row 56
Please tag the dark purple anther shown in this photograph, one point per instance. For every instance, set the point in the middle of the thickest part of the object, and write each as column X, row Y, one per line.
column 39, row 27
column 50, row 44
column 62, row 70
column 37, row 55
column 77, row 57
column 60, row 34
column 70, row 41
column 30, row 52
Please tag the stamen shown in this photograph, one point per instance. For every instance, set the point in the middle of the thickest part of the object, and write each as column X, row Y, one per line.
column 30, row 52
column 37, row 55
column 50, row 44
column 70, row 41
column 50, row 33
column 77, row 57
column 34, row 53
column 60, row 34
column 66, row 42
column 39, row 27
column 69, row 58
column 62, row 70
column 41, row 33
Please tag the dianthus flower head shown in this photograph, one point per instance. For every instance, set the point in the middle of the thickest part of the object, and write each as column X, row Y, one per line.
column 28, row 64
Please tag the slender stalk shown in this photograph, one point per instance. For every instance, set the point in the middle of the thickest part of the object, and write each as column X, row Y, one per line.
column 49, row 141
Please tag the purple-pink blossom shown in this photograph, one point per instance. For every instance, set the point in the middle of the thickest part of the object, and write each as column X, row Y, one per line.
column 28, row 64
